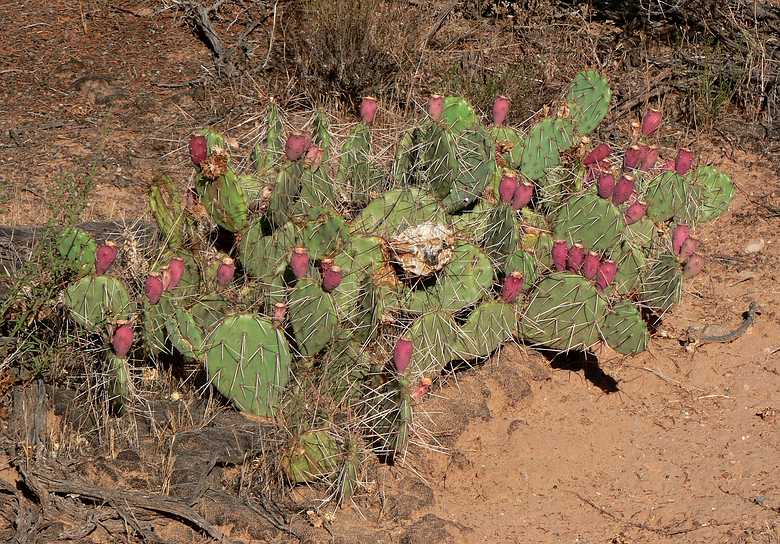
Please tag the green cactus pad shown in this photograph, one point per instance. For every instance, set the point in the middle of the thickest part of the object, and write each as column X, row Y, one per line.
column 406, row 157
column 458, row 115
column 433, row 335
column 511, row 143
column 248, row 361
column 396, row 210
column 462, row 168
column 543, row 147
column 225, row 201
column 269, row 151
column 78, row 249
column 266, row 257
column 313, row 316
column 565, row 313
column 631, row 264
column 368, row 254
column 317, row 189
column 668, row 195
column 714, row 192
column 313, row 455
column 356, row 170
column 344, row 368
column 489, row 325
column 93, row 301
column 284, row 194
column 154, row 334
column 168, row 211
column 525, row 263
column 588, row 101
column 473, row 224
column 185, row 334
column 346, row 295
column 624, row 329
column 502, row 235
column 120, row 387
column 662, row 283
column 641, row 234
column 465, row 279
column 325, row 235
column 592, row 221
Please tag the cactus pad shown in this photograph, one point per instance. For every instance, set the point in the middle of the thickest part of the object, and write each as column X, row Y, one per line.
column 225, row 201
column 590, row 220
column 314, row 454
column 93, row 301
column 624, row 329
column 313, row 315
column 249, row 362
column 714, row 191
column 396, row 210
column 588, row 101
column 78, row 248
column 489, row 325
column 662, row 284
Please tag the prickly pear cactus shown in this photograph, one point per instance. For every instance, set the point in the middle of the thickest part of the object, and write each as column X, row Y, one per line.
column 96, row 300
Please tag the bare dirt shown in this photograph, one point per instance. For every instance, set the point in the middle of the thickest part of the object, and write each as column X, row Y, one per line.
column 679, row 444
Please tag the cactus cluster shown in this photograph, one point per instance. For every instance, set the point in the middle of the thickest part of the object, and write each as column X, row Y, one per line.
column 363, row 282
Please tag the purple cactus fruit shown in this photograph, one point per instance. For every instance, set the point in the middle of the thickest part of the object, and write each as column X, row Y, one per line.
column 507, row 186
column 280, row 313
column 299, row 262
column 606, row 185
column 368, row 107
column 297, row 145
column 575, row 258
column 313, row 157
column 651, row 121
column 226, row 271
column 560, row 253
column 513, row 284
column 174, row 270
column 153, row 287
column 436, row 106
column 631, row 157
column 683, row 161
column 105, row 257
column 693, row 265
column 688, row 248
column 590, row 266
column 523, row 195
column 331, row 278
column 606, row 274
column 122, row 339
column 624, row 188
column 500, row 110
column 402, row 354
column 199, row 149
column 680, row 233
column 648, row 156
column 597, row 154
column 635, row 212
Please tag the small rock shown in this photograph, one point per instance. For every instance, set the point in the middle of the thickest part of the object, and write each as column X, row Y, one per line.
column 755, row 246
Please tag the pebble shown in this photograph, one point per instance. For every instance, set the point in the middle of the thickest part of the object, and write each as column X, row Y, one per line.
column 755, row 246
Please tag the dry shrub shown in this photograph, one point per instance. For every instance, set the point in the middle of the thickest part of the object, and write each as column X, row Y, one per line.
column 349, row 48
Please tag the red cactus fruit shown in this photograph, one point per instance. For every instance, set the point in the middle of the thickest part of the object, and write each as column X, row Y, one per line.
column 402, row 354
column 422, row 389
column 680, row 233
column 368, row 107
column 331, row 278
column 226, row 271
column 153, row 287
column 173, row 273
column 575, row 258
column 313, row 157
column 693, row 265
column 560, row 253
column 436, row 106
column 507, row 186
column 105, row 257
column 648, row 156
column 280, row 313
column 631, row 157
column 624, row 188
column 597, row 154
column 590, row 266
column 296, row 146
column 683, row 161
column 523, row 195
column 199, row 149
column 689, row 247
column 595, row 170
column 513, row 284
column 299, row 262
column 606, row 274
column 651, row 121
column 635, row 212
column 500, row 110
column 606, row 185
column 122, row 339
